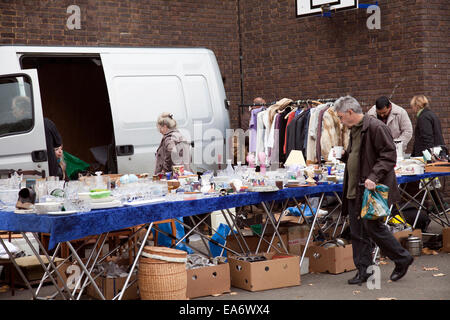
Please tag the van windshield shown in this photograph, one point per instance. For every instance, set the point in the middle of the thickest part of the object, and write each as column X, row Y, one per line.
column 16, row 108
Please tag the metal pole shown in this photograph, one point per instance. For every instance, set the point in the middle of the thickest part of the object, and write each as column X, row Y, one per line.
column 45, row 267
column 378, row 248
column 92, row 266
column 144, row 240
column 83, row 267
column 19, row 270
column 269, row 214
column 420, row 209
column 312, row 230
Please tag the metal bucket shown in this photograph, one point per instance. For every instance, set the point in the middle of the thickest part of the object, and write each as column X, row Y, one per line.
column 414, row 245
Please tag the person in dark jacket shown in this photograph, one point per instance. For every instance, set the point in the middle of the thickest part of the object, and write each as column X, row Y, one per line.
column 173, row 149
column 428, row 132
column 53, row 140
column 370, row 160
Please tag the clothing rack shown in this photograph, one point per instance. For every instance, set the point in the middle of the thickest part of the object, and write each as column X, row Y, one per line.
column 293, row 103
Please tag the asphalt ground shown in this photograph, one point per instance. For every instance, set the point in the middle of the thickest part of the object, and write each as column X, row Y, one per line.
column 428, row 278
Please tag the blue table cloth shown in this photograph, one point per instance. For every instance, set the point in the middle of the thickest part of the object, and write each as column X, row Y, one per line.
column 78, row 225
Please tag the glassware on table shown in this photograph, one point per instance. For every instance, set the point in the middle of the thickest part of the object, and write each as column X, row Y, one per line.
column 41, row 189
column 8, row 198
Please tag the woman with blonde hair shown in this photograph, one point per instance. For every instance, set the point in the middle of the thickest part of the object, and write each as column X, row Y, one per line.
column 62, row 173
column 173, row 149
column 428, row 132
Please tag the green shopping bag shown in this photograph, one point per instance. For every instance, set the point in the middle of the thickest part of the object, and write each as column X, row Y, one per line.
column 375, row 203
column 74, row 165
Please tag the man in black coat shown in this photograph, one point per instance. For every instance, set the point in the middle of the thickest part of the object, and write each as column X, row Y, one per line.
column 370, row 159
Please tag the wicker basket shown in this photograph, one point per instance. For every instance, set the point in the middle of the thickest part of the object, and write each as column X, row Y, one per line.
column 162, row 274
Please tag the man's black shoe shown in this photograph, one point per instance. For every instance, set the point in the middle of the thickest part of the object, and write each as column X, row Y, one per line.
column 359, row 278
column 400, row 271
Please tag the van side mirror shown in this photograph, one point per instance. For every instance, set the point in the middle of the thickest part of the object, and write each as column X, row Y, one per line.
column 227, row 104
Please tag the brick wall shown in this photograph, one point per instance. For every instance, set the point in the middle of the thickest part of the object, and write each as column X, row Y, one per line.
column 155, row 23
column 320, row 57
column 282, row 56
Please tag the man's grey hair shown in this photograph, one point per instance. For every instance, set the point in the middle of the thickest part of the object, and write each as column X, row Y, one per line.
column 345, row 103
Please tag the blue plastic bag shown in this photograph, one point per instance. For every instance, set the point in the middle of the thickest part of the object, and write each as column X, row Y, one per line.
column 375, row 203
column 294, row 211
column 166, row 241
column 222, row 232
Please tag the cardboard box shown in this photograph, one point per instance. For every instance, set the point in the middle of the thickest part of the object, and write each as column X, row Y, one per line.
column 401, row 236
column 297, row 237
column 70, row 273
column 252, row 242
column 283, row 227
column 334, row 260
column 32, row 269
column 446, row 239
column 207, row 281
column 110, row 287
column 276, row 272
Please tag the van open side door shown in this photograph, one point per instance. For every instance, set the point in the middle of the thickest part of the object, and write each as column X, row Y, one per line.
column 22, row 134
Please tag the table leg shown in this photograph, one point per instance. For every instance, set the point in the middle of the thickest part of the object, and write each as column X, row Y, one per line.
column 375, row 254
column 83, row 267
column 312, row 229
column 283, row 208
column 16, row 266
column 232, row 226
column 136, row 259
column 271, row 219
column 99, row 250
column 45, row 267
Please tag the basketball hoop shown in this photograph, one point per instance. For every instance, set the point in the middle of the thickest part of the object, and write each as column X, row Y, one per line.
column 324, row 8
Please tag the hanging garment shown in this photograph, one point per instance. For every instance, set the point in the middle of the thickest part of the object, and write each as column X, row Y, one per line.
column 272, row 141
column 296, row 133
column 312, row 132
column 282, row 133
column 319, row 134
column 260, row 134
column 275, row 154
column 333, row 133
column 266, row 124
column 252, row 127
column 291, row 117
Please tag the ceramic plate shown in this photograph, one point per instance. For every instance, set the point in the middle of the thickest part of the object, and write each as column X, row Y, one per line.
column 106, row 205
column 23, row 211
column 143, row 202
column 59, row 213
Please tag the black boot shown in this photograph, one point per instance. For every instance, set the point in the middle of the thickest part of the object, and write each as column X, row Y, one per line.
column 401, row 269
column 360, row 277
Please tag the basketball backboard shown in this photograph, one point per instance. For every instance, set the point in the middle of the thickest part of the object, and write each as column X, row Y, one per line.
column 315, row 7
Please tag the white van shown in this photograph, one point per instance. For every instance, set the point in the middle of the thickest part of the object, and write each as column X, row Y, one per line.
column 105, row 103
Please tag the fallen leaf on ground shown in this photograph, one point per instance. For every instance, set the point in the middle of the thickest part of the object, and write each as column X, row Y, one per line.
column 438, row 275
column 233, row 293
column 356, row 292
column 216, row 294
column 389, row 281
column 310, row 284
column 431, row 269
column 386, row 298
column 429, row 251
